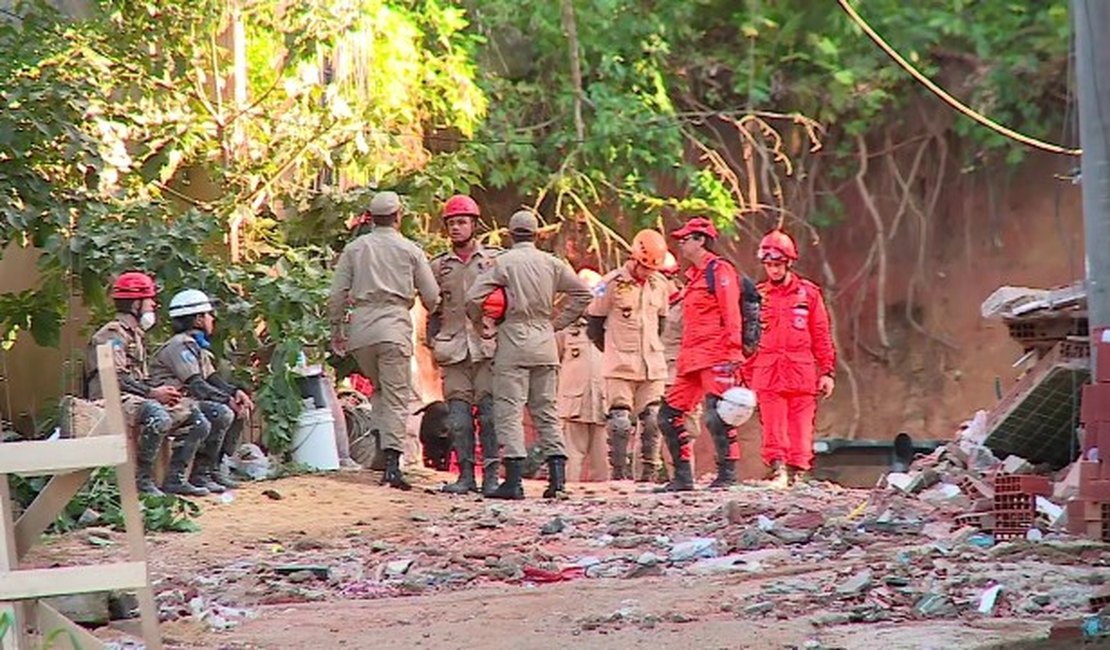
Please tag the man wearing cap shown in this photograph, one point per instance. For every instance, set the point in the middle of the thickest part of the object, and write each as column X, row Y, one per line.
column 709, row 355
column 626, row 319
column 379, row 275
column 525, row 366
column 464, row 350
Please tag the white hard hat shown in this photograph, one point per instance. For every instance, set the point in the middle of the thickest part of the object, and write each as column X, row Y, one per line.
column 736, row 406
column 190, row 302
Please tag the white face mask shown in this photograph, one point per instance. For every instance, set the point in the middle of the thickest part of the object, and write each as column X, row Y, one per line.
column 147, row 320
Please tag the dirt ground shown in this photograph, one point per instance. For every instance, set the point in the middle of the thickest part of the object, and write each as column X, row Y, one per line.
column 472, row 593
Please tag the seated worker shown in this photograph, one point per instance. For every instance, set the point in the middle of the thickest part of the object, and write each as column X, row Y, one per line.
column 186, row 362
column 155, row 410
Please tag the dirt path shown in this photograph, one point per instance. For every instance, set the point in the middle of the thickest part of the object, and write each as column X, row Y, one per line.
column 412, row 570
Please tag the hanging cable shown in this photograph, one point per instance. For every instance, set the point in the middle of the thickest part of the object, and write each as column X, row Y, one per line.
column 949, row 99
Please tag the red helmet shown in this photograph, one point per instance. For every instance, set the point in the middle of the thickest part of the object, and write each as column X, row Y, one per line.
column 461, row 205
column 134, row 285
column 777, row 246
column 493, row 307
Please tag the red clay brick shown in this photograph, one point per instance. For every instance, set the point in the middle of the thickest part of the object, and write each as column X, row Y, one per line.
column 1095, row 490
column 1084, row 510
column 1095, row 405
column 1102, row 371
column 1089, row 470
column 1022, row 484
column 1088, row 529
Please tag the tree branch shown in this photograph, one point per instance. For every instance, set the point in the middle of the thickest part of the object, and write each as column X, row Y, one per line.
column 571, row 31
column 880, row 242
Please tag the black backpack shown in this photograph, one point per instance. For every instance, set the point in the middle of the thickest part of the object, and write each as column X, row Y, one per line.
column 750, row 304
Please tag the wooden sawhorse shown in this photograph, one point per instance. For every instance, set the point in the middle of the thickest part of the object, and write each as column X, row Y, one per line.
column 70, row 462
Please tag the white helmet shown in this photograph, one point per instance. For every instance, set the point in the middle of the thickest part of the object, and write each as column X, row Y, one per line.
column 190, row 302
column 736, row 406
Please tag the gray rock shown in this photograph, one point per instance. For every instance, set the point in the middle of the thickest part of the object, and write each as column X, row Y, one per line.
column 855, row 585
column 758, row 609
column 553, row 527
column 89, row 609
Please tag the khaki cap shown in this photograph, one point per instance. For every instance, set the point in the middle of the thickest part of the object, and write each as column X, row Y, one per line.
column 384, row 204
column 524, row 222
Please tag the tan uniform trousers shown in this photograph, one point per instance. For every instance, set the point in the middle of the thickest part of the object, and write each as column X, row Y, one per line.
column 587, row 451
column 389, row 368
column 515, row 387
column 468, row 380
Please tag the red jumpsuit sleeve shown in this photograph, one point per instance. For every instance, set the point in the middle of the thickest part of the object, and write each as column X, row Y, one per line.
column 820, row 334
column 728, row 300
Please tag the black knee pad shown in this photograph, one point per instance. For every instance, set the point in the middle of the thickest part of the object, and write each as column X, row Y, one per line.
column 670, row 421
column 718, row 428
column 650, row 416
column 460, row 417
column 619, row 420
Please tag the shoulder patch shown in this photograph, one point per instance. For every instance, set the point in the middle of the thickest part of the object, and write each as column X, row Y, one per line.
column 599, row 289
column 187, row 356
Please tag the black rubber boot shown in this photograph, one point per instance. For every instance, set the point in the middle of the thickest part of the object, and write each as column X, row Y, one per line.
column 460, row 422
column 556, row 477
column 489, row 477
column 512, row 489
column 726, row 474
column 229, row 448
column 683, row 480
column 186, row 449
column 465, row 484
column 223, row 477
column 150, row 442
column 487, row 434
column 176, row 483
column 393, row 477
column 203, row 478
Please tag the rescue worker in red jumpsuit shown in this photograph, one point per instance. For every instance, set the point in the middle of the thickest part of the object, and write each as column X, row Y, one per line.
column 709, row 355
column 794, row 363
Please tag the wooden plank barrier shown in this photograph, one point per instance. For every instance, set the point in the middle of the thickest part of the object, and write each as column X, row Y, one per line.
column 71, row 463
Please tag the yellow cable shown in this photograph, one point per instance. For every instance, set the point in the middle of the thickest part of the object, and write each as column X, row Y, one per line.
column 949, row 99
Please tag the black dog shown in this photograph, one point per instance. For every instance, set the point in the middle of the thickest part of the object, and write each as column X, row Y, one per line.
column 434, row 436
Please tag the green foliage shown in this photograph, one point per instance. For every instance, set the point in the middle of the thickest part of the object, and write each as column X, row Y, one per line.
column 125, row 141
column 167, row 513
column 117, row 152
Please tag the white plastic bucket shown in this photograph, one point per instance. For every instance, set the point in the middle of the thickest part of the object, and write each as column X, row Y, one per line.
column 314, row 440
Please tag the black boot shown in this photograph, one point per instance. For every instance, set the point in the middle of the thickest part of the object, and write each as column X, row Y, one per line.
column 466, row 483
column 556, row 477
column 683, row 480
column 489, row 477
column 149, row 443
column 185, row 450
column 223, row 477
column 202, row 477
column 393, row 477
column 726, row 474
column 176, row 483
column 460, row 422
column 512, row 489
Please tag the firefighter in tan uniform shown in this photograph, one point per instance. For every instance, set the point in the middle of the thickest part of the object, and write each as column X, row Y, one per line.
column 463, row 350
column 156, row 410
column 379, row 275
column 581, row 400
column 626, row 319
column 525, row 367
